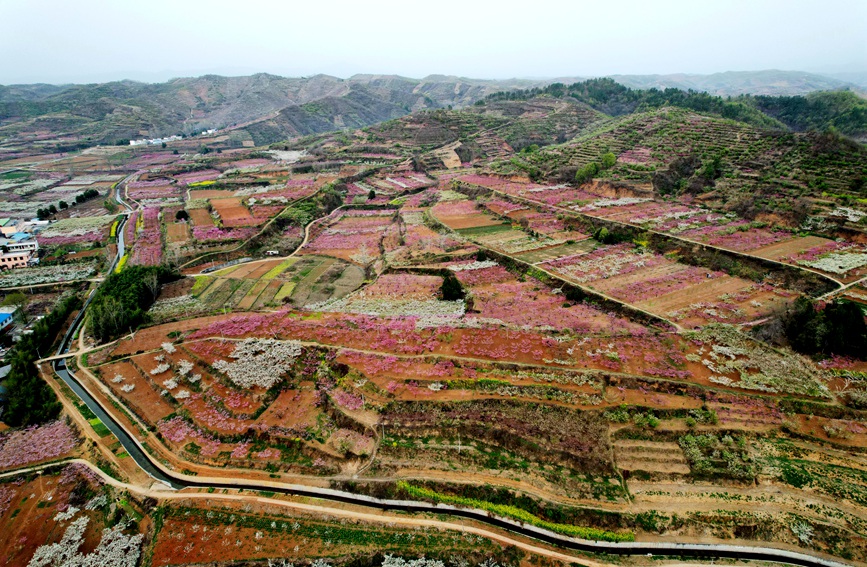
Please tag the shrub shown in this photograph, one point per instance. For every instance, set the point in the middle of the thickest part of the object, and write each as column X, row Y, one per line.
column 451, row 288
column 709, row 456
column 647, row 420
column 517, row 514
column 620, row 415
column 586, row 173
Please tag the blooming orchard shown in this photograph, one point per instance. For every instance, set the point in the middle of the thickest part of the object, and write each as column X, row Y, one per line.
column 259, row 362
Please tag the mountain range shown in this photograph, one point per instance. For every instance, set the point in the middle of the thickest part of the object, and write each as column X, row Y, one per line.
column 264, row 108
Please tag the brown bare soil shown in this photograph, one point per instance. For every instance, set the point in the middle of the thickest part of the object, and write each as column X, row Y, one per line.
column 29, row 521
column 201, row 217
column 709, row 291
column 473, row 220
column 247, row 302
column 177, row 232
column 558, row 251
column 86, row 254
column 177, row 288
column 267, row 295
column 851, row 433
column 152, row 337
column 650, row 456
column 90, row 208
column 785, row 248
column 210, row 194
column 146, row 402
column 263, row 268
column 231, row 210
column 292, row 409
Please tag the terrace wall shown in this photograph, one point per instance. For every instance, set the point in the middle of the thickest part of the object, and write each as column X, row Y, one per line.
column 689, row 252
column 571, row 291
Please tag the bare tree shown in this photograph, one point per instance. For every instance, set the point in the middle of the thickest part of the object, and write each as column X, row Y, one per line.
column 109, row 256
column 152, row 281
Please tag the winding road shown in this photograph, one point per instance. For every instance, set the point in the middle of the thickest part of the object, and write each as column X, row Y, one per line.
column 179, row 482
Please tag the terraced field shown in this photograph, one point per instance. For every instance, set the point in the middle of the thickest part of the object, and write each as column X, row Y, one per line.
column 587, row 357
column 271, row 283
column 650, row 456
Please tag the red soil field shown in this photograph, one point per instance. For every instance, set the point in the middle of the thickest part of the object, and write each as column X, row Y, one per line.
column 37, row 502
column 177, row 232
column 788, row 247
column 143, row 399
column 232, row 211
column 201, row 217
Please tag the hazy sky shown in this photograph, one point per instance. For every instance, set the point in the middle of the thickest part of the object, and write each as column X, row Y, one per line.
column 59, row 41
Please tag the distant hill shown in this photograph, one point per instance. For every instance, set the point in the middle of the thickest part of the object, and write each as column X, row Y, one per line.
column 733, row 83
column 122, row 110
column 39, row 91
column 843, row 111
column 265, row 108
column 856, row 78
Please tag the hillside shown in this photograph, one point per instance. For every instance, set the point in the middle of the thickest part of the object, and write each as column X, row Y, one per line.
column 117, row 111
column 529, row 307
column 733, row 83
column 722, row 162
column 359, row 107
column 267, row 108
column 842, row 110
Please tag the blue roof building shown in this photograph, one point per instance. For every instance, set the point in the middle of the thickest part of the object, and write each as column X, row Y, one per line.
column 5, row 321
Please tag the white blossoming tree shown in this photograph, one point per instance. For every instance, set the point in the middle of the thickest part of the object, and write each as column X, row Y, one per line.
column 259, row 362
column 115, row 549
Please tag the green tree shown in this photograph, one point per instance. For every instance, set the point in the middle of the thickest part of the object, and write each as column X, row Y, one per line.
column 586, row 173
column 371, row 195
column 122, row 301
column 31, row 400
column 835, row 328
column 64, row 205
column 451, row 288
column 15, row 298
column 52, row 210
column 601, row 235
column 608, row 160
column 846, row 331
column 713, row 168
column 182, row 215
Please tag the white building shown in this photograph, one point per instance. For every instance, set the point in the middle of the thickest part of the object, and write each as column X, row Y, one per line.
column 155, row 141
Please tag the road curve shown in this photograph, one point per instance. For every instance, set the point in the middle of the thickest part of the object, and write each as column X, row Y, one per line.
column 177, row 481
